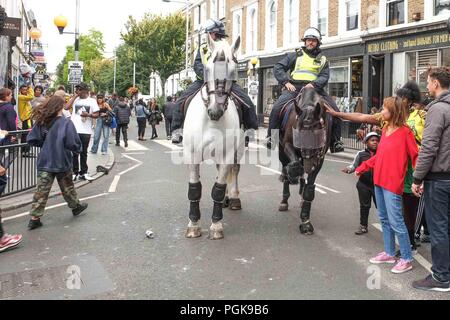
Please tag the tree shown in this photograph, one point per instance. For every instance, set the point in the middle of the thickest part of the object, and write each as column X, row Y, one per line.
column 157, row 44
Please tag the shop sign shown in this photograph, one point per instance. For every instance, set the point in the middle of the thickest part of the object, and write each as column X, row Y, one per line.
column 253, row 88
column 12, row 27
column 75, row 72
column 242, row 66
column 409, row 43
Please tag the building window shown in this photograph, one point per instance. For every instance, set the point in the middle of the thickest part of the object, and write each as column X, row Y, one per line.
column 441, row 6
column 352, row 8
column 203, row 13
column 213, row 9
column 272, row 32
column 222, row 4
column 322, row 16
column 237, row 25
column 291, row 21
column 395, row 12
column 252, row 31
column 197, row 18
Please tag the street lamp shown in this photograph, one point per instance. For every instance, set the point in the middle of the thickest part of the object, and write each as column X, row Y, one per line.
column 254, row 62
column 61, row 23
column 187, row 3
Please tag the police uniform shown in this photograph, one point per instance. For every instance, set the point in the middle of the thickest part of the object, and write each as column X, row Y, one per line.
column 203, row 54
column 300, row 69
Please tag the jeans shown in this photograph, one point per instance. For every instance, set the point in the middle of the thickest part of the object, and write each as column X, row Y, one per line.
column 437, row 208
column 101, row 129
column 390, row 212
column 80, row 160
column 142, row 124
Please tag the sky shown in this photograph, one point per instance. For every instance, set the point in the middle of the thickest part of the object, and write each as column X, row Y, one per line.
column 107, row 16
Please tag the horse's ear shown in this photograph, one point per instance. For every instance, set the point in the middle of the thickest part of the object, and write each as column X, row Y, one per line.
column 236, row 45
column 211, row 43
column 318, row 110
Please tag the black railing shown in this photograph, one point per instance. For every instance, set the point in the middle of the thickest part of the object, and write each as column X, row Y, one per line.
column 349, row 136
column 19, row 160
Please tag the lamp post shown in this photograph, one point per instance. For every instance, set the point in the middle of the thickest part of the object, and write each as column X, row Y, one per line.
column 61, row 23
column 187, row 3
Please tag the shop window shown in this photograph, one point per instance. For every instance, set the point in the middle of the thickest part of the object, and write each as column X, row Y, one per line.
column 357, row 77
column 395, row 12
column 441, row 6
column 445, row 57
column 339, row 81
column 418, row 64
column 271, row 91
column 352, row 8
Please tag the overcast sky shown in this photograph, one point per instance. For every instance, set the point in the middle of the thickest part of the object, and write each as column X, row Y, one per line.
column 107, row 16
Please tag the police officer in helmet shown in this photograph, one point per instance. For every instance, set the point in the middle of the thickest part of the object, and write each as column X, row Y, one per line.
column 305, row 68
column 216, row 29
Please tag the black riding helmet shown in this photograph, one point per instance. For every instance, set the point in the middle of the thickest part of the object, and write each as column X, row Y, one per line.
column 215, row 26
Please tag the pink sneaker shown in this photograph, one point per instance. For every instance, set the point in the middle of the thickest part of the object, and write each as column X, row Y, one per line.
column 402, row 266
column 9, row 242
column 383, row 257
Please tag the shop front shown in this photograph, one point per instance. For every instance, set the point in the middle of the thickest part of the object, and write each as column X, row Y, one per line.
column 270, row 89
column 395, row 58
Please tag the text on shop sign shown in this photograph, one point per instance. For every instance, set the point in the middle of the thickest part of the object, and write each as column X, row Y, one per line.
column 409, row 43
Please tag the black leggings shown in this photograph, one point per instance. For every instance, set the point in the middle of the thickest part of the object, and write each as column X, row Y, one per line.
column 142, row 124
column 410, row 206
column 154, row 133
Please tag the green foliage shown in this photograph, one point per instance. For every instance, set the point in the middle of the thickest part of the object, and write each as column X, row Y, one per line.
column 157, row 44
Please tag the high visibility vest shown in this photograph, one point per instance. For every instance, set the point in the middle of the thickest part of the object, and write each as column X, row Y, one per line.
column 205, row 54
column 308, row 68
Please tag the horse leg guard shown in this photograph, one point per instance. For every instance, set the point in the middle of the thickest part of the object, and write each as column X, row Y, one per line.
column 194, row 195
column 284, row 205
column 218, row 195
column 294, row 171
column 308, row 196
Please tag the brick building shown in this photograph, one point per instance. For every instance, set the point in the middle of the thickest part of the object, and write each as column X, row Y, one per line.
column 373, row 46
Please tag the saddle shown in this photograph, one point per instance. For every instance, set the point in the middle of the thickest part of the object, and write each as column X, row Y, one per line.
column 238, row 102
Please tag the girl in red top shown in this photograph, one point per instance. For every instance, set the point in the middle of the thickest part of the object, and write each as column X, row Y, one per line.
column 397, row 146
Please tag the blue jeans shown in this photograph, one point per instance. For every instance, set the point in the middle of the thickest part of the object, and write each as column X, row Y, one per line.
column 101, row 129
column 390, row 211
column 437, row 208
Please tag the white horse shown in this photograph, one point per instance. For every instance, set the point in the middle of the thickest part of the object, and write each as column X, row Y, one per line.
column 212, row 133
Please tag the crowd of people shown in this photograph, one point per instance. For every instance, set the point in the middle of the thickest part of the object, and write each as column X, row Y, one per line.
column 404, row 169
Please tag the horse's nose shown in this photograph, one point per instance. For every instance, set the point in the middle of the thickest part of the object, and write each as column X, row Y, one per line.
column 215, row 115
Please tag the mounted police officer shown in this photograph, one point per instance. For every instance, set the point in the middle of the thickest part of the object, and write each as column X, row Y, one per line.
column 305, row 68
column 216, row 30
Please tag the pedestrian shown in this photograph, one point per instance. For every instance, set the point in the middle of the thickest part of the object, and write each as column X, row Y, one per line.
column 154, row 117
column 365, row 186
column 123, row 113
column 113, row 101
column 38, row 96
column 84, row 110
column 142, row 114
column 58, row 139
column 168, row 109
column 389, row 166
column 8, row 115
column 432, row 175
column 7, row 241
column 103, row 125
column 26, row 94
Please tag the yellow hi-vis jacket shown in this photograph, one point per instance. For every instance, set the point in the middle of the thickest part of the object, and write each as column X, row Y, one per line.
column 203, row 55
column 24, row 106
column 308, row 68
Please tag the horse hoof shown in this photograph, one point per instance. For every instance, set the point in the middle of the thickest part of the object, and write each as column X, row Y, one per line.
column 307, row 229
column 193, row 232
column 215, row 235
column 226, row 202
column 235, row 204
column 283, row 207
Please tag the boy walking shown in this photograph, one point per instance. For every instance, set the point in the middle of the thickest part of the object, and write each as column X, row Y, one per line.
column 123, row 113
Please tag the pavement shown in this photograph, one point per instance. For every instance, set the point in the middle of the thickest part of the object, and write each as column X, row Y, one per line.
column 25, row 198
column 106, row 255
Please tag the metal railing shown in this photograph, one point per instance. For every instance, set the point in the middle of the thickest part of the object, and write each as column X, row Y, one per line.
column 20, row 162
column 349, row 136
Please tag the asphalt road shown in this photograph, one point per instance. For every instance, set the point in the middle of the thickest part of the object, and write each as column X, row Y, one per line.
column 104, row 254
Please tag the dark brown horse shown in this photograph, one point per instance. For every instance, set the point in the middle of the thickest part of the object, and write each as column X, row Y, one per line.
column 303, row 145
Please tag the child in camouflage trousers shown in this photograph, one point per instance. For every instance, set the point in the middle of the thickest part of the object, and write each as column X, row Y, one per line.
column 57, row 138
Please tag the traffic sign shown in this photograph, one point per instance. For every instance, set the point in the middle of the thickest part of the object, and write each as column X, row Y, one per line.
column 76, row 72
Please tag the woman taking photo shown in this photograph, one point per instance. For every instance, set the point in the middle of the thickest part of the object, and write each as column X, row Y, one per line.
column 155, row 117
column 103, row 125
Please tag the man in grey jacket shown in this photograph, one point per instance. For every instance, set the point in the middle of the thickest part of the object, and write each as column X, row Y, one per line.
column 433, row 167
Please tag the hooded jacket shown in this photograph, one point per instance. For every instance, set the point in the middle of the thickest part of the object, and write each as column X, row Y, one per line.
column 24, row 106
column 7, row 117
column 434, row 157
column 122, row 112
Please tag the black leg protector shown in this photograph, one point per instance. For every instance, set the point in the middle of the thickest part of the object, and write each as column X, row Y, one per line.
column 294, row 171
column 218, row 195
column 194, row 195
column 308, row 197
column 286, row 191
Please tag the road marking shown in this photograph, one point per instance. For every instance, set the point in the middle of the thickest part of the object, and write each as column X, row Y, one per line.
column 320, row 191
column 418, row 257
column 139, row 163
column 268, row 169
column 329, row 189
column 173, row 151
column 52, row 207
column 131, row 158
column 114, row 184
column 339, row 161
column 134, row 146
column 134, row 154
column 168, row 144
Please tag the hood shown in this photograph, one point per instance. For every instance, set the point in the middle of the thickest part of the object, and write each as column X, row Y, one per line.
column 5, row 104
column 444, row 97
column 122, row 105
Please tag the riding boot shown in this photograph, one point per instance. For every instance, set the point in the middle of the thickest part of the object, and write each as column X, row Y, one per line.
column 336, row 144
column 249, row 116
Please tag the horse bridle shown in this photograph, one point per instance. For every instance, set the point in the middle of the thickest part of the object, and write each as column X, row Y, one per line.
column 222, row 91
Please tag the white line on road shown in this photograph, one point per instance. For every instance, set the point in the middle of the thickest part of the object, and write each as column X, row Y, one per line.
column 268, row 169
column 134, row 146
column 131, row 158
column 320, row 191
column 130, row 169
column 114, row 184
column 339, row 161
column 134, row 153
column 168, row 144
column 419, row 258
column 326, row 188
column 52, row 207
